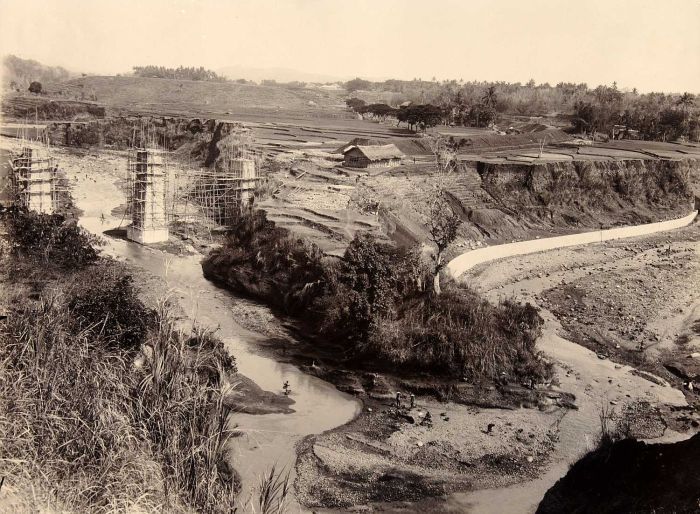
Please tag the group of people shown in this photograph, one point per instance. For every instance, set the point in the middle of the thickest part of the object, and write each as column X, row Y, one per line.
column 427, row 419
column 400, row 395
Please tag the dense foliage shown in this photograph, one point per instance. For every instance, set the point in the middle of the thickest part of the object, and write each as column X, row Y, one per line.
column 653, row 116
column 103, row 301
column 181, row 73
column 378, row 303
column 51, row 238
column 35, row 87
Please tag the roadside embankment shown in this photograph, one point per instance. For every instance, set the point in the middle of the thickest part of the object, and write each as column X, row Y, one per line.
column 513, row 199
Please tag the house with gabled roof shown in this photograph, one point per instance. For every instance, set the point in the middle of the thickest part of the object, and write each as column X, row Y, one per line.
column 377, row 156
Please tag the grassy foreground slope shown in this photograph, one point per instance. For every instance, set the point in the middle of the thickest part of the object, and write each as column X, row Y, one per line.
column 105, row 404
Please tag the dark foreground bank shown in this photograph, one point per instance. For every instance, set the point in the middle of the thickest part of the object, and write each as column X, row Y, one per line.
column 630, row 476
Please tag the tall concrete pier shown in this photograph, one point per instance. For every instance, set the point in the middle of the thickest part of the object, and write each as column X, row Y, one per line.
column 244, row 170
column 148, row 176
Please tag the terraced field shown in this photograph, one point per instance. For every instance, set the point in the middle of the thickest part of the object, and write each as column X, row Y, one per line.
column 601, row 152
column 313, row 201
column 201, row 98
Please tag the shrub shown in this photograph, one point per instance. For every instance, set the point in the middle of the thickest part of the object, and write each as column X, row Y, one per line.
column 35, row 87
column 293, row 265
column 103, row 301
column 369, row 283
column 459, row 334
column 51, row 238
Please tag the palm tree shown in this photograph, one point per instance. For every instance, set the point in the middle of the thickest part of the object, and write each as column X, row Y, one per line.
column 490, row 96
column 686, row 101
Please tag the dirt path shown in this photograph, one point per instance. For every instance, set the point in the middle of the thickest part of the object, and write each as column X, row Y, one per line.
column 468, row 260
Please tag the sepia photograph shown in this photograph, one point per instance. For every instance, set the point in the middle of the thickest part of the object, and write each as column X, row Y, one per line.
column 371, row 256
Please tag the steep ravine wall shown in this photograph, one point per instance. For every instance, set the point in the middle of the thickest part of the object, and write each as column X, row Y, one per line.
column 561, row 197
column 117, row 132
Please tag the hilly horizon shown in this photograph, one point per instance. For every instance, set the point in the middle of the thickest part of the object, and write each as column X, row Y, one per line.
column 278, row 74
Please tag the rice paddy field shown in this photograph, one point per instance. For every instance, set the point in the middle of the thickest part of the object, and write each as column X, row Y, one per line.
column 566, row 151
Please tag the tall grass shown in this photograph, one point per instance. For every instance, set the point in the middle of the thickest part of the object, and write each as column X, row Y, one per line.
column 614, row 426
column 273, row 491
column 105, row 428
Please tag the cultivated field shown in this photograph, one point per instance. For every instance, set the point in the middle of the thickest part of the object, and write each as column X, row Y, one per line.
column 201, row 98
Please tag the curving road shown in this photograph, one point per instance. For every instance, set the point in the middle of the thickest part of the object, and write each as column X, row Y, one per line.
column 468, row 260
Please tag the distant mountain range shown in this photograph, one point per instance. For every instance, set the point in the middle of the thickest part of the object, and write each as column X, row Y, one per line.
column 277, row 74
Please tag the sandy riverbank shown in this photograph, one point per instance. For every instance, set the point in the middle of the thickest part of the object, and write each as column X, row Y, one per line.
column 377, row 457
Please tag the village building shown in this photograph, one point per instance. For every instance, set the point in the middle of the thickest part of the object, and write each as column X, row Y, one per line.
column 381, row 156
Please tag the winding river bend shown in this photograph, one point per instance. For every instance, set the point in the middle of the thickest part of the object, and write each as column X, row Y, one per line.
column 270, row 439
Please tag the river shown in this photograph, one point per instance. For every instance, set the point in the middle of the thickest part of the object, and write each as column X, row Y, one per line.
column 268, row 439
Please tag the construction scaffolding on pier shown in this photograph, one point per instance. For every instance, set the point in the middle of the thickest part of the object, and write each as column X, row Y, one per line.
column 162, row 191
column 147, row 179
column 34, row 180
column 146, row 186
column 214, row 197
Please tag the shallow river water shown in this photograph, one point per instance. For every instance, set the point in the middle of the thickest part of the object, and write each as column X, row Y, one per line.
column 268, row 439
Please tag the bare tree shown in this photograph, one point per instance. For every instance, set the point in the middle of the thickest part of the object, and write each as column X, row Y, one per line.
column 444, row 155
column 442, row 227
column 543, row 143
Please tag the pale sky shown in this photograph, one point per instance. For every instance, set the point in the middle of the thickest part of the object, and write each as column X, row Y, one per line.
column 650, row 44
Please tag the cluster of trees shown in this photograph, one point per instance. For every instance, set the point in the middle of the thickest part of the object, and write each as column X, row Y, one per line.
column 654, row 116
column 181, row 73
column 382, row 303
column 293, row 84
column 417, row 117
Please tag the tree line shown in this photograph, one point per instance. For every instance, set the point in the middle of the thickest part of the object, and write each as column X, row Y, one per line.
column 604, row 109
column 180, row 73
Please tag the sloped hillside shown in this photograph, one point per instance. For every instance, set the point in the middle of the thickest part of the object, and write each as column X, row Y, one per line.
column 168, row 96
column 20, row 72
